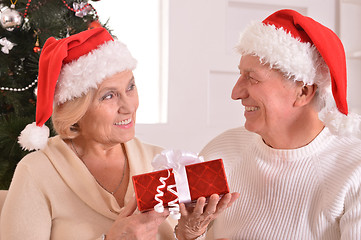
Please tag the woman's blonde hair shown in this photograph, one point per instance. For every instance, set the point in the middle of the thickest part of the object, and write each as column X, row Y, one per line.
column 66, row 116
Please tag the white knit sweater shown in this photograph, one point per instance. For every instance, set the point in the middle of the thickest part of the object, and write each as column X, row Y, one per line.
column 311, row 192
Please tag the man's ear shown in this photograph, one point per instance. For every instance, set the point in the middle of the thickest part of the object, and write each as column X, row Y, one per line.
column 305, row 94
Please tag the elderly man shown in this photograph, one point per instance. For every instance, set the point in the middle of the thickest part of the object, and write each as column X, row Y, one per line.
column 295, row 163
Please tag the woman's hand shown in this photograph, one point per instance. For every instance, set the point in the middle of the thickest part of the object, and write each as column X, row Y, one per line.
column 194, row 221
column 142, row 226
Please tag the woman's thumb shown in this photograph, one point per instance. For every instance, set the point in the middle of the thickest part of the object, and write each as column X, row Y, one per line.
column 129, row 208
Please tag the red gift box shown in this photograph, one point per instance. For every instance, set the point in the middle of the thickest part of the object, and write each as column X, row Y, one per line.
column 204, row 179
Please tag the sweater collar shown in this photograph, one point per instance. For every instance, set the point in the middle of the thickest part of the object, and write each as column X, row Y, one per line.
column 77, row 176
column 293, row 154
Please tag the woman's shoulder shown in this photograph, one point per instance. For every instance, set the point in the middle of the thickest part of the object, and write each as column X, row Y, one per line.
column 33, row 158
column 33, row 166
column 40, row 158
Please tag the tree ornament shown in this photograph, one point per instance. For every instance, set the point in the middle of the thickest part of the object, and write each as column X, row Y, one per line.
column 9, row 17
column 37, row 48
column 94, row 24
column 6, row 45
column 19, row 89
column 81, row 9
column 27, row 8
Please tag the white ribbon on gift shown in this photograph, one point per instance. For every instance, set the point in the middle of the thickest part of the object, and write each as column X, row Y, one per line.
column 173, row 205
column 177, row 160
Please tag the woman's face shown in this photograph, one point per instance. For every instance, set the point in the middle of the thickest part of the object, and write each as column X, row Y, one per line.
column 111, row 115
column 267, row 96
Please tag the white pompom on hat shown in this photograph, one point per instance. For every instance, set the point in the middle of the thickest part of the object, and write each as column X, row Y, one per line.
column 69, row 68
column 305, row 50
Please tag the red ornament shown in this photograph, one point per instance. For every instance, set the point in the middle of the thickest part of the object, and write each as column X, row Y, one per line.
column 27, row 8
column 94, row 24
column 36, row 49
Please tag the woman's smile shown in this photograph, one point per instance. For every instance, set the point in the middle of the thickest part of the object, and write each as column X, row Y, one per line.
column 127, row 123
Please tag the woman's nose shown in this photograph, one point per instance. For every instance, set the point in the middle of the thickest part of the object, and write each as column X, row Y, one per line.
column 126, row 105
column 239, row 90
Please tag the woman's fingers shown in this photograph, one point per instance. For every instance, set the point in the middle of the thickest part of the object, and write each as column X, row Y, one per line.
column 194, row 220
column 214, row 205
column 223, row 203
column 137, row 226
column 234, row 197
column 211, row 207
column 227, row 201
column 198, row 209
column 155, row 217
column 183, row 210
column 129, row 208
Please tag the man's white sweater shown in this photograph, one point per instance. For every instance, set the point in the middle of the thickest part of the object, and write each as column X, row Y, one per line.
column 311, row 192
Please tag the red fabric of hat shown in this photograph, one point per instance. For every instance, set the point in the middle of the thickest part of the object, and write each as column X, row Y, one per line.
column 55, row 53
column 327, row 43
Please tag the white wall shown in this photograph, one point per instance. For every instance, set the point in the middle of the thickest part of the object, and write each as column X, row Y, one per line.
column 140, row 29
column 203, row 66
column 350, row 34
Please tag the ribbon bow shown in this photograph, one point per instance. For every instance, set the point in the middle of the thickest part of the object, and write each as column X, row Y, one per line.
column 81, row 10
column 6, row 45
column 177, row 160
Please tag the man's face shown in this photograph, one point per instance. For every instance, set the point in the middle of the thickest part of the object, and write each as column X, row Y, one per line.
column 267, row 96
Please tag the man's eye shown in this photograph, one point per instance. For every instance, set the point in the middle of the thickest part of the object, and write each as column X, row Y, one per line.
column 252, row 80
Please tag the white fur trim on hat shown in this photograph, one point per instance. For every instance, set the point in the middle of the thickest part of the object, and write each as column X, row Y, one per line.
column 34, row 137
column 281, row 50
column 77, row 77
column 301, row 62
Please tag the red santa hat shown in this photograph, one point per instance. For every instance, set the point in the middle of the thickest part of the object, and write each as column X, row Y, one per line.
column 304, row 50
column 69, row 68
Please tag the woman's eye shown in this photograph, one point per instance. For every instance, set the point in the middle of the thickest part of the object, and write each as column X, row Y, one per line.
column 107, row 96
column 131, row 87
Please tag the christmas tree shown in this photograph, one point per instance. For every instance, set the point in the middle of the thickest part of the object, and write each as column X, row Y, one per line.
column 25, row 26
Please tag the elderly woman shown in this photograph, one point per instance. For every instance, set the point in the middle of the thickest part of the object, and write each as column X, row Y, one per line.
column 298, row 173
column 78, row 185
